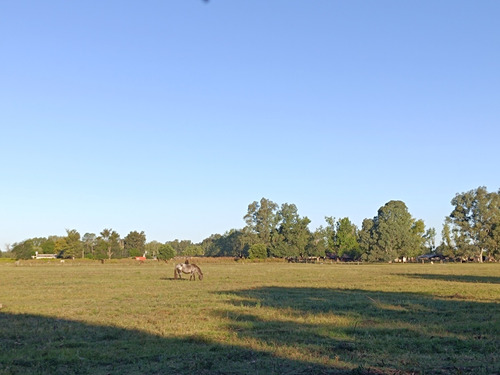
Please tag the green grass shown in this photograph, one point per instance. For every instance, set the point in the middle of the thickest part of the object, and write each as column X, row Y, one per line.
column 249, row 318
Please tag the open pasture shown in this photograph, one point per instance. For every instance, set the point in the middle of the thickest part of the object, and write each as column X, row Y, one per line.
column 249, row 318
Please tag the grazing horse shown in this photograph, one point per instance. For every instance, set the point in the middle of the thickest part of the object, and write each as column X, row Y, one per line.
column 191, row 269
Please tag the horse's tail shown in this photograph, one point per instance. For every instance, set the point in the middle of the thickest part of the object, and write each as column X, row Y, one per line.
column 175, row 272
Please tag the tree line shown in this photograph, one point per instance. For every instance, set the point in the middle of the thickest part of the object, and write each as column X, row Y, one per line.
column 471, row 231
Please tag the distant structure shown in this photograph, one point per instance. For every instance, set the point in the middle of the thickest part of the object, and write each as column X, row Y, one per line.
column 142, row 259
column 44, row 256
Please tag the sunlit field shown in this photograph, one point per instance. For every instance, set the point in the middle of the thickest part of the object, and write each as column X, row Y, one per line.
column 249, row 318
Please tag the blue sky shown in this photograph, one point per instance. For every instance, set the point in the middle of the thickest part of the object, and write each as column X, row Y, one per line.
column 172, row 116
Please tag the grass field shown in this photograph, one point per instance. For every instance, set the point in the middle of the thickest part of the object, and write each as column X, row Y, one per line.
column 249, row 318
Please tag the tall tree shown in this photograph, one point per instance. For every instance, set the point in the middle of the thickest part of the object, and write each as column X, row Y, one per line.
column 257, row 251
column 48, row 246
column 330, row 233
column 393, row 233
column 165, row 252
column 109, row 242
column 292, row 235
column 430, row 239
column 89, row 242
column 318, row 243
column 23, row 250
column 61, row 246
column 234, row 243
column 8, row 251
column 211, row 245
column 180, row 246
column 476, row 219
column 153, row 248
column 134, row 243
column 262, row 220
column 346, row 242
column 193, row 250
column 418, row 238
column 74, row 246
column 447, row 246
column 494, row 243
column 367, row 238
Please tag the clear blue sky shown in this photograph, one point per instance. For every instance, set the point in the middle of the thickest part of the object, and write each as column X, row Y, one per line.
column 172, row 116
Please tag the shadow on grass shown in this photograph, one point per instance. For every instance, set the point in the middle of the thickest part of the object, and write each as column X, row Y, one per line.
column 174, row 279
column 382, row 332
column 459, row 278
column 339, row 331
column 31, row 344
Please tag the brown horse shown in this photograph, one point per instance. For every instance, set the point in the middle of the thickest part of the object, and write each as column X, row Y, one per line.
column 191, row 269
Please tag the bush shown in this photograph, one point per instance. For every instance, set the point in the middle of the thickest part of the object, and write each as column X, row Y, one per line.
column 257, row 251
column 135, row 253
column 166, row 252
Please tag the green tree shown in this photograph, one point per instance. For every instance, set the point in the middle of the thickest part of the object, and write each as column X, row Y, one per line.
column 494, row 244
column 180, row 246
column 8, row 252
column 234, row 243
column 346, row 242
column 262, row 220
column 447, row 246
column 257, row 251
column 393, row 233
column 134, row 244
column 108, row 243
column 211, row 245
column 153, row 248
column 330, row 233
column 89, row 242
column 38, row 244
column 367, row 238
column 193, row 251
column 165, row 252
column 430, row 239
column 292, row 235
column 475, row 220
column 23, row 250
column 48, row 246
column 318, row 242
column 72, row 245
column 463, row 247
column 60, row 246
column 416, row 245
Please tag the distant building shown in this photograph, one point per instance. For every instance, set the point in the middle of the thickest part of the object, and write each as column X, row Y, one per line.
column 44, row 256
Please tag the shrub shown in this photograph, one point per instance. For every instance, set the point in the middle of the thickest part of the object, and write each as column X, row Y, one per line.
column 257, row 251
column 166, row 252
